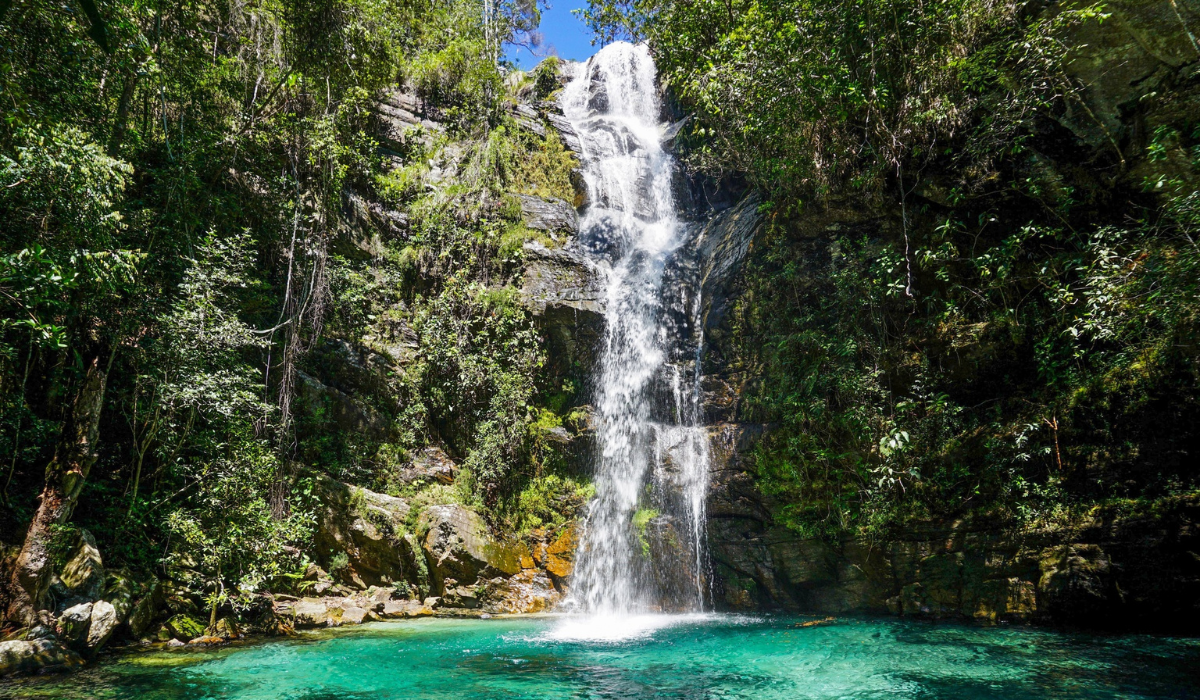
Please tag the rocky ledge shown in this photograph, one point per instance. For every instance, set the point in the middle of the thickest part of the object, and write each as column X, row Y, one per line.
column 379, row 557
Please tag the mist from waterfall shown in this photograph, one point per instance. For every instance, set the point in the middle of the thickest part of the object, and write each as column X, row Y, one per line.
column 642, row 547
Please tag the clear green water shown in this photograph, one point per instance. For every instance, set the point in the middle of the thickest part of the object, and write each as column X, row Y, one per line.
column 699, row 657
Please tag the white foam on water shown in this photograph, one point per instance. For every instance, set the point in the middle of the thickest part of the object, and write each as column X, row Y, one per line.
column 617, row 628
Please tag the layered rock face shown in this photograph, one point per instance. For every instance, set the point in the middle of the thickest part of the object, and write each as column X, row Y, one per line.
column 1109, row 570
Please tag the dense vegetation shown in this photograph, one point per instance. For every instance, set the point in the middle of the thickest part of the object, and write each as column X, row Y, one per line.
column 972, row 291
column 1003, row 316
column 182, row 249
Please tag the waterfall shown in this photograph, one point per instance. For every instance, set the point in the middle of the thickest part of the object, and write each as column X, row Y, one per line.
column 642, row 544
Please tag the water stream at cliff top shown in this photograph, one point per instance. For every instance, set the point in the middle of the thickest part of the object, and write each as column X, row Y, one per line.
column 642, row 547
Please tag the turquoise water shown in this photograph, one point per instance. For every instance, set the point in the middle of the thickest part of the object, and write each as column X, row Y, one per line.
column 708, row 657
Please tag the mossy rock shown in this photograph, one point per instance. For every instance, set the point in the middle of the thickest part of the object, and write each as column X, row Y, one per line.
column 183, row 627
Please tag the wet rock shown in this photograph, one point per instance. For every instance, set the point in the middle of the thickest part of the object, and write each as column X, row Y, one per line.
column 36, row 655
column 566, row 132
column 724, row 242
column 548, row 214
column 671, row 133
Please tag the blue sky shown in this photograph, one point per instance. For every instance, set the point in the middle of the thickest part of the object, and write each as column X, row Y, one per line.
column 569, row 36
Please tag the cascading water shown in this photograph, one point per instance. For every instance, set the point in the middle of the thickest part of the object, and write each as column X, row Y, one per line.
column 642, row 547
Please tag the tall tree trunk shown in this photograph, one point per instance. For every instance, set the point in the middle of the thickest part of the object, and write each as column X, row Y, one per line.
column 73, row 458
column 121, row 123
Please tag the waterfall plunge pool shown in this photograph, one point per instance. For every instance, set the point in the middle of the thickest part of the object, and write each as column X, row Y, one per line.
column 686, row 656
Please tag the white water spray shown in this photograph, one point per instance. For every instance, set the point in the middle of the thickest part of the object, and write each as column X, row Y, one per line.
column 642, row 547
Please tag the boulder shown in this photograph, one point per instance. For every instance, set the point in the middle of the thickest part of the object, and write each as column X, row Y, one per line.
column 225, row 628
column 36, row 655
column 182, row 627
column 354, row 615
column 73, row 625
column 429, row 465
column 310, row 612
column 394, row 609
column 369, row 528
column 105, row 619
column 530, row 591
column 146, row 608
column 82, row 577
column 550, row 214
column 457, row 546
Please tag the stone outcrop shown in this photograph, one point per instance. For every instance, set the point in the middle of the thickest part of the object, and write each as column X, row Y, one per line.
column 548, row 214
column 401, row 115
column 1142, row 47
column 560, row 278
column 368, row 528
column 342, row 409
column 459, row 550
column 428, row 465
